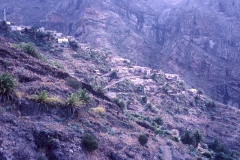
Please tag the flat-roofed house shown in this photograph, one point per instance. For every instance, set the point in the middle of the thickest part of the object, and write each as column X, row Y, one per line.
column 70, row 38
column 62, row 40
column 16, row 28
column 42, row 29
column 58, row 35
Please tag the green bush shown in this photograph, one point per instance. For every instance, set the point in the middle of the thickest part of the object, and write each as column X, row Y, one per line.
column 4, row 26
column 214, row 145
column 84, row 96
column 158, row 120
column 120, row 103
column 42, row 158
column 144, row 100
column 74, row 83
column 89, row 142
column 222, row 156
column 207, row 154
column 113, row 74
column 187, row 138
column 143, row 139
column 73, row 100
column 30, row 49
column 7, row 83
column 198, row 137
column 200, row 92
column 100, row 89
column 42, row 96
column 74, row 45
column 211, row 104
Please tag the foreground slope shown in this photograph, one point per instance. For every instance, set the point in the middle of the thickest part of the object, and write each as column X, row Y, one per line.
column 34, row 130
column 156, row 104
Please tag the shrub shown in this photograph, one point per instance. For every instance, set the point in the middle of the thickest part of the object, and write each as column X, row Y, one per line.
column 74, row 83
column 74, row 45
column 187, row 138
column 58, row 65
column 7, row 84
column 198, row 137
column 149, row 106
column 143, row 139
column 6, row 64
column 113, row 74
column 30, row 49
column 42, row 35
column 89, row 142
column 4, row 26
column 207, row 154
column 211, row 104
column 42, row 158
column 158, row 120
column 73, row 100
column 214, row 145
column 199, row 92
column 120, row 103
column 100, row 89
column 84, row 96
column 175, row 139
column 144, row 100
column 42, row 96
column 222, row 156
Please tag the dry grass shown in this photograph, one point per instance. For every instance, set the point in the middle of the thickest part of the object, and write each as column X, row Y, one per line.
column 53, row 100
column 99, row 110
column 20, row 94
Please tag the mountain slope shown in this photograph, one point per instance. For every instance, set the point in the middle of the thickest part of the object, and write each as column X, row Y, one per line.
column 195, row 39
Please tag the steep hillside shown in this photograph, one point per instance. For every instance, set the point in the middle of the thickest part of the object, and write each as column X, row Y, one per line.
column 34, row 127
column 195, row 39
column 126, row 101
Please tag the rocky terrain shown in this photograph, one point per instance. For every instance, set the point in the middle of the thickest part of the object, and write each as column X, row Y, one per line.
column 127, row 101
column 197, row 40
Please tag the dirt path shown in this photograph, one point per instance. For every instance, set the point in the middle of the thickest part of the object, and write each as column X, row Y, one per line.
column 120, row 80
column 167, row 154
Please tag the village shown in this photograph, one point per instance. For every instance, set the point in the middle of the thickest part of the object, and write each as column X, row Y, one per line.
column 124, row 66
column 59, row 37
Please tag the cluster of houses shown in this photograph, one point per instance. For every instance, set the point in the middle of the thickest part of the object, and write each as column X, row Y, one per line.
column 132, row 69
column 57, row 35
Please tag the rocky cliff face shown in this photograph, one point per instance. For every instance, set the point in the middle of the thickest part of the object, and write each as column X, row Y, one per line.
column 197, row 39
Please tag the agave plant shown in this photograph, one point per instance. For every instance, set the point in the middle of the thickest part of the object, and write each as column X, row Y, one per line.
column 84, row 96
column 73, row 102
column 42, row 96
column 7, row 85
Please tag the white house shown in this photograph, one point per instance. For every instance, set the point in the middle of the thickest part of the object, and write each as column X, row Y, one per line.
column 123, row 70
column 16, row 28
column 42, row 29
column 51, row 32
column 62, row 40
column 171, row 76
column 58, row 35
column 25, row 27
column 147, row 71
column 70, row 38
